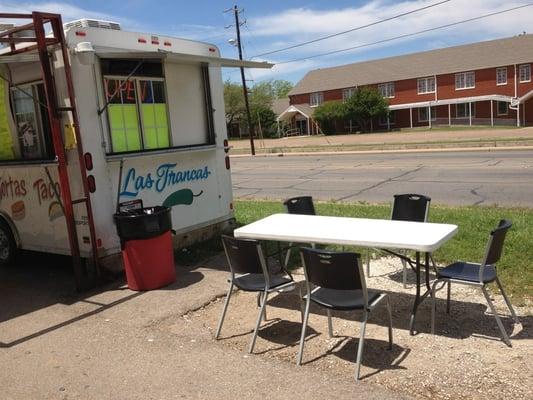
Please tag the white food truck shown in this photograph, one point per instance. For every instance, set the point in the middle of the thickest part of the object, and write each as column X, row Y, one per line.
column 92, row 116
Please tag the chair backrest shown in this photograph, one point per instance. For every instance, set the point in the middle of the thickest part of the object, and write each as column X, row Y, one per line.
column 244, row 256
column 410, row 207
column 333, row 270
column 300, row 205
column 495, row 244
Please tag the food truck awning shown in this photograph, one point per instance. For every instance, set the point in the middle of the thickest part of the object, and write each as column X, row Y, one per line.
column 5, row 59
column 107, row 52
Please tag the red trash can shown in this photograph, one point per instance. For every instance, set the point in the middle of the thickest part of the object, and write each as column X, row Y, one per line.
column 147, row 249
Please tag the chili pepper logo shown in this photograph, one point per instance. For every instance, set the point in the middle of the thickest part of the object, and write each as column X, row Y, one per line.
column 183, row 196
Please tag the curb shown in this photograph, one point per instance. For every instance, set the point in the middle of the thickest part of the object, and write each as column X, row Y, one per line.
column 435, row 150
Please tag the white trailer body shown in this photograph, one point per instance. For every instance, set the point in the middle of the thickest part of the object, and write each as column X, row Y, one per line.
column 151, row 114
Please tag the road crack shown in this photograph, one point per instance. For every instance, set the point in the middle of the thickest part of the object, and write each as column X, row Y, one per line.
column 381, row 183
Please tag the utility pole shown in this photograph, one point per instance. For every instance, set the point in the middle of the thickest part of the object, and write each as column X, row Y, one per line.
column 244, row 88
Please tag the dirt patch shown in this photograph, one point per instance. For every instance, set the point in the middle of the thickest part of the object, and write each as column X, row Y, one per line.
column 465, row 359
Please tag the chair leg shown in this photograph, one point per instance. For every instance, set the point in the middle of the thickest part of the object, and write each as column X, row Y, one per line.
column 368, row 263
column 505, row 337
column 258, row 323
column 448, row 296
column 360, row 346
column 302, row 304
column 433, row 263
column 259, row 304
column 434, row 304
column 224, row 309
column 509, row 305
column 304, row 327
column 404, row 265
column 288, row 255
column 389, row 309
column 330, row 324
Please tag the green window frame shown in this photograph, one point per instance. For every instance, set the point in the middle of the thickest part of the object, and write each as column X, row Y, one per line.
column 137, row 110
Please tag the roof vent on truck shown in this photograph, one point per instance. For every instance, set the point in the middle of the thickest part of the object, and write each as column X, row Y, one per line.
column 93, row 23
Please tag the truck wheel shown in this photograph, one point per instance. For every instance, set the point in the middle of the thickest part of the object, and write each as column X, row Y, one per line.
column 8, row 247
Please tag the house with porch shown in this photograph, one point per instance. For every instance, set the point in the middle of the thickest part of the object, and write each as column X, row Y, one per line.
column 485, row 83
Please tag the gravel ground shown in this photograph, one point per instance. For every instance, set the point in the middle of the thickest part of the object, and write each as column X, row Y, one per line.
column 465, row 359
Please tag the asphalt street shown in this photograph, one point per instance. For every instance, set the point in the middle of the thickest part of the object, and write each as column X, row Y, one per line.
column 452, row 178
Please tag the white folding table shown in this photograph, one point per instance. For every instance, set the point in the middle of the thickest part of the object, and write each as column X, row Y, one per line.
column 421, row 237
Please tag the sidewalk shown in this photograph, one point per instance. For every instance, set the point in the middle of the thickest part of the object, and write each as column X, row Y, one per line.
column 423, row 139
column 120, row 344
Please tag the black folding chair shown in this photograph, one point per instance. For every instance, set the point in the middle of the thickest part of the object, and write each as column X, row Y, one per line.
column 249, row 272
column 478, row 275
column 336, row 281
column 298, row 205
column 407, row 207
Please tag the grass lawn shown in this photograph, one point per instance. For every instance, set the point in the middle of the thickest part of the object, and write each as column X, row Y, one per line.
column 515, row 268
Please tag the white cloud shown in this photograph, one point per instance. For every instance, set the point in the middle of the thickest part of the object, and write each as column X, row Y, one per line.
column 68, row 11
column 302, row 24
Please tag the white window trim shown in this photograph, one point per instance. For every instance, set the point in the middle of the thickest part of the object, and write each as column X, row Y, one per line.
column 350, row 91
column 433, row 114
column 386, row 85
column 385, row 122
column 506, row 78
column 498, row 109
column 464, row 73
column 520, row 73
column 473, row 108
column 426, row 79
column 320, row 98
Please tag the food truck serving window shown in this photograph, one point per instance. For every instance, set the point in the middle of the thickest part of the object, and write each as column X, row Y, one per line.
column 24, row 127
column 137, row 110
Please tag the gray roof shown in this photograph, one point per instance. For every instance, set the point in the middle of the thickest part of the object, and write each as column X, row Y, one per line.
column 280, row 105
column 493, row 53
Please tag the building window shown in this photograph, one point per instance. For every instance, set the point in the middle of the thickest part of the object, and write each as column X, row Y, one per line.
column 31, row 139
column 391, row 119
column 525, row 73
column 423, row 114
column 386, row 89
column 462, row 110
column 426, row 85
column 503, row 108
column 501, row 76
column 315, row 99
column 347, row 93
column 465, row 80
column 137, row 109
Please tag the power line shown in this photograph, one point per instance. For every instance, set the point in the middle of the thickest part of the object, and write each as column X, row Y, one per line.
column 353, row 29
column 407, row 34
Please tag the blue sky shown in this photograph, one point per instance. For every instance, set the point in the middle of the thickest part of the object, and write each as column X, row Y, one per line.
column 274, row 24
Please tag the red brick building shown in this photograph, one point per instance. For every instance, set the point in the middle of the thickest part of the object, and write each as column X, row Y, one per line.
column 485, row 83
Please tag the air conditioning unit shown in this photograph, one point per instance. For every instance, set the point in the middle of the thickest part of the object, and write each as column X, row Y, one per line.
column 93, row 23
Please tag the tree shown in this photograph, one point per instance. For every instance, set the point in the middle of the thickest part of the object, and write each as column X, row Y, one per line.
column 265, row 119
column 260, row 97
column 281, row 88
column 234, row 102
column 365, row 105
column 327, row 113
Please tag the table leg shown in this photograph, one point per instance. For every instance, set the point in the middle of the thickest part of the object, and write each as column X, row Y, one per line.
column 426, row 265
column 418, row 297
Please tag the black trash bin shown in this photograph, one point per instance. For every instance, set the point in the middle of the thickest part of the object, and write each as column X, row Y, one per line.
column 147, row 249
